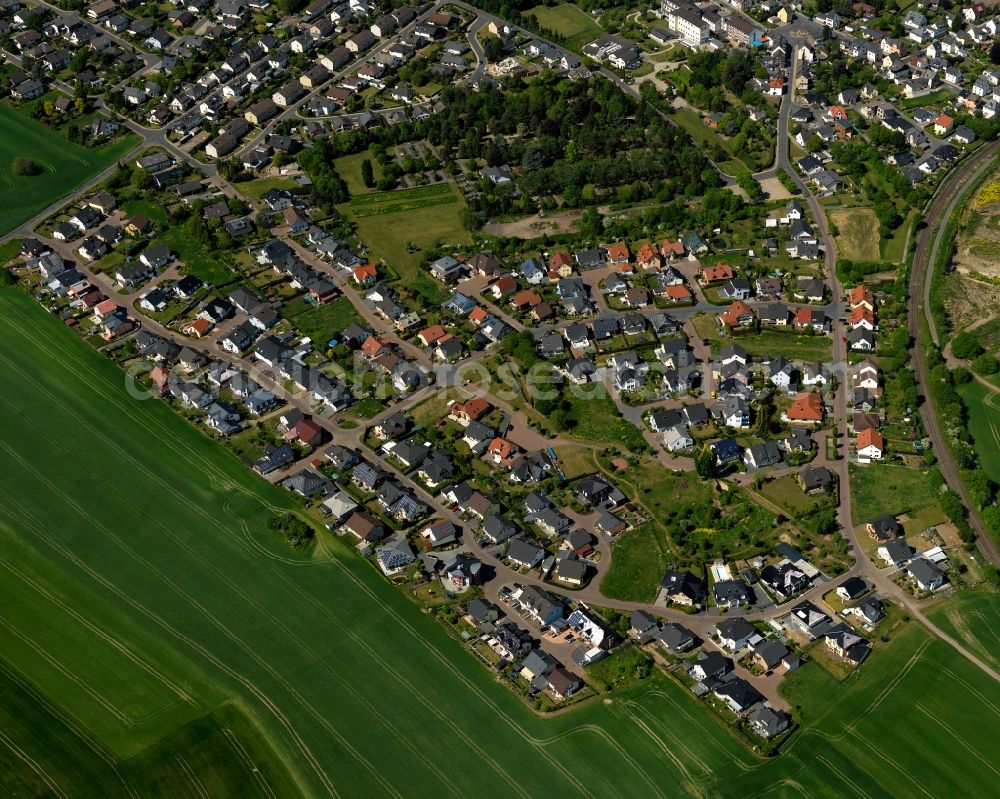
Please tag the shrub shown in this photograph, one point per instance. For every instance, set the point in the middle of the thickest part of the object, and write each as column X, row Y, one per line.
column 25, row 167
column 293, row 531
column 985, row 364
column 965, row 346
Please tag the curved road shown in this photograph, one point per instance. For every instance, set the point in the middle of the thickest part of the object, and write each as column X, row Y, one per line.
column 929, row 240
column 942, row 205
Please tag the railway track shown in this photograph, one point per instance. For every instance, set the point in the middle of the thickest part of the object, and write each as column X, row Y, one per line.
column 942, row 205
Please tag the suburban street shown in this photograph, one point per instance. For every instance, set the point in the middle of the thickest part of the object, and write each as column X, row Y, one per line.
column 927, row 245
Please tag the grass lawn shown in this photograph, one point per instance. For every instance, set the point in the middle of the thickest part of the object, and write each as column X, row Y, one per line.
column 349, row 168
column 261, row 186
column 428, row 412
column 152, row 211
column 940, row 96
column 659, row 490
column 894, row 249
column 983, row 405
column 323, row 322
column 408, row 224
column 857, row 236
column 786, row 493
column 196, row 609
column 931, row 516
column 792, row 345
column 638, row 560
column 599, row 420
column 367, row 408
column 576, row 461
column 9, row 250
column 569, row 21
column 65, row 165
column 884, row 488
column 206, row 266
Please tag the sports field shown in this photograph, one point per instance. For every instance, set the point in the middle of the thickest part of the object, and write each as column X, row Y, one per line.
column 983, row 404
column 156, row 640
column 65, row 166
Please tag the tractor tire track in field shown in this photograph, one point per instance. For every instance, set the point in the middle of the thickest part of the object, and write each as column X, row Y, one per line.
column 243, row 755
column 697, row 720
column 634, row 708
column 247, row 598
column 95, row 630
column 23, row 756
column 420, row 639
column 59, row 666
column 678, row 762
column 936, row 721
column 36, row 525
column 212, row 619
column 71, row 723
column 833, row 769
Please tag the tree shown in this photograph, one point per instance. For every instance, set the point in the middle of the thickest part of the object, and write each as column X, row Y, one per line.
column 704, row 463
column 470, row 219
column 966, row 346
column 985, row 364
column 367, row 173
column 825, row 522
column 141, row 179
column 293, row 531
column 25, row 167
column 493, row 49
column 995, row 52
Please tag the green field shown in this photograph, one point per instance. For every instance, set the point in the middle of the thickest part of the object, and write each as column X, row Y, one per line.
column 569, row 21
column 349, row 168
column 883, row 488
column 65, row 166
column 598, row 419
column 692, row 122
column 261, row 186
column 972, row 617
column 207, row 266
column 983, row 405
column 894, row 249
column 401, row 227
column 157, row 640
column 857, row 236
column 638, row 560
column 322, row 322
column 791, row 345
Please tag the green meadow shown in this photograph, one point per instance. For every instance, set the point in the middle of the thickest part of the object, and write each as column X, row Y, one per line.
column 65, row 166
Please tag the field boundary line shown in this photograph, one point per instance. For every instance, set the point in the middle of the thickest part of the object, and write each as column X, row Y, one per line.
column 86, row 623
column 265, row 700
column 41, row 772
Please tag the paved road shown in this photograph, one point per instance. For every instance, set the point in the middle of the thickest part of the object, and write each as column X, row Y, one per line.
column 929, row 240
column 702, row 623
